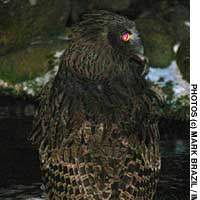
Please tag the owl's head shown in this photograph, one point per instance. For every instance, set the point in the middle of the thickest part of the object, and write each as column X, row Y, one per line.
column 105, row 44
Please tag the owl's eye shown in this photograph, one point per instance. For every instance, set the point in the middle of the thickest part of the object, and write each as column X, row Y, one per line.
column 125, row 36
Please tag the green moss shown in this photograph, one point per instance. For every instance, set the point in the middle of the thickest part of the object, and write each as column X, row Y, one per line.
column 177, row 17
column 158, row 43
column 28, row 63
column 174, row 107
column 23, row 23
column 177, row 109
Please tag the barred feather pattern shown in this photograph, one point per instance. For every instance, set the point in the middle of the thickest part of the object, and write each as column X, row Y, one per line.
column 96, row 129
column 103, row 157
column 101, row 168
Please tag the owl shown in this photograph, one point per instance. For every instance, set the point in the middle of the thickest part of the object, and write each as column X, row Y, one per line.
column 95, row 127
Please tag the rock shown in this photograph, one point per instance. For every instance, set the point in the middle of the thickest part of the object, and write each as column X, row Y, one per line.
column 78, row 7
column 157, row 40
column 185, row 3
column 173, row 14
column 23, row 21
column 24, row 72
column 114, row 5
column 177, row 16
column 179, row 20
column 30, row 62
column 183, row 58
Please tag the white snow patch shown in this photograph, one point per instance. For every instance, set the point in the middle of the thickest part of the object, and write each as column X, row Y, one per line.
column 33, row 2
column 5, row 1
column 25, row 87
column 64, row 38
column 39, row 81
column 3, row 84
column 171, row 73
column 42, row 80
column 58, row 54
column 176, row 47
column 187, row 23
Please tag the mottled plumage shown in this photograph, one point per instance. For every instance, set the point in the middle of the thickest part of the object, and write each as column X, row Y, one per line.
column 95, row 127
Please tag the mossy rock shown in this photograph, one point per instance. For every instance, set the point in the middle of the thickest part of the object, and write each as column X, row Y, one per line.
column 22, row 22
column 183, row 59
column 157, row 41
column 177, row 16
column 29, row 63
column 114, row 5
column 185, row 3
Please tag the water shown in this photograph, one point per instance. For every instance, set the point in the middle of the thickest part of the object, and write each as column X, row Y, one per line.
column 19, row 169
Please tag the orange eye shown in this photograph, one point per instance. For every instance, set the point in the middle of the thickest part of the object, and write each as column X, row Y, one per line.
column 125, row 37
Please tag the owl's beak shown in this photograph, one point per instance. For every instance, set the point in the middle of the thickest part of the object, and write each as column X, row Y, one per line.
column 141, row 60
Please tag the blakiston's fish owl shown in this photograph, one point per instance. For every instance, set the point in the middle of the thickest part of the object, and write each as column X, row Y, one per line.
column 95, row 126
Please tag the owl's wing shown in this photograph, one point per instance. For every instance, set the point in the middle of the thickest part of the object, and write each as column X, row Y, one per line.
column 58, row 115
column 39, row 125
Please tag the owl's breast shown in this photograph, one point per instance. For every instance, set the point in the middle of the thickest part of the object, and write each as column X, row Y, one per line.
column 116, row 146
column 103, row 162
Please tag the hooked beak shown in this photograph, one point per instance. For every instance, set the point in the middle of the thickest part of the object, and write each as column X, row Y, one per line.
column 141, row 60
